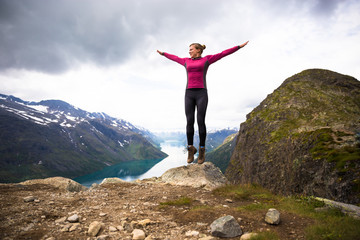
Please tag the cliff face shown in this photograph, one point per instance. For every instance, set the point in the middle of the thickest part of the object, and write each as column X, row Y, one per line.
column 304, row 138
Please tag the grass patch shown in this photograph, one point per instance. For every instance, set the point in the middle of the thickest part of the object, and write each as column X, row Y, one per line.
column 254, row 207
column 243, row 192
column 342, row 156
column 268, row 235
column 330, row 224
column 201, row 207
column 183, row 201
column 304, row 206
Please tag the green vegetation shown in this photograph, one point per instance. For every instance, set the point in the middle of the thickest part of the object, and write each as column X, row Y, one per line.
column 325, row 147
column 309, row 99
column 246, row 192
column 329, row 224
column 268, row 235
column 222, row 154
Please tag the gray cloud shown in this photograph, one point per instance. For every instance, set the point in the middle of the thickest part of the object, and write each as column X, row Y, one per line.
column 325, row 8
column 52, row 36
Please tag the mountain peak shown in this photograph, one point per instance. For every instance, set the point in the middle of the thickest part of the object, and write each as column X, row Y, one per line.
column 323, row 76
column 57, row 105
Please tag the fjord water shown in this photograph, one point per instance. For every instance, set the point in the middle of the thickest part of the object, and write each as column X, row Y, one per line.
column 140, row 169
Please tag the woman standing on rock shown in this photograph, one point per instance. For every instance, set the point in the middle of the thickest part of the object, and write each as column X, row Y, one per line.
column 196, row 93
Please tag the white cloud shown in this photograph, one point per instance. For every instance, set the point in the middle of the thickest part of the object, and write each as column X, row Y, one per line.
column 105, row 58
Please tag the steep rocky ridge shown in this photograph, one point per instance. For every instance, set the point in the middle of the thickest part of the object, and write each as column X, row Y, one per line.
column 54, row 138
column 304, row 138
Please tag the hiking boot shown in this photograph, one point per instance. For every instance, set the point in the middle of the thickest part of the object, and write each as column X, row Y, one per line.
column 191, row 152
column 201, row 158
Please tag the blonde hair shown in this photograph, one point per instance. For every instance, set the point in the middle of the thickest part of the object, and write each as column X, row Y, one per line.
column 199, row 46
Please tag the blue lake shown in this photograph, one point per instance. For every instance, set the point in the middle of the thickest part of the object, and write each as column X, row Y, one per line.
column 140, row 169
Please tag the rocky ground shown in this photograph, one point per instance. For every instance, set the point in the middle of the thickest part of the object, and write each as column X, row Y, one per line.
column 42, row 211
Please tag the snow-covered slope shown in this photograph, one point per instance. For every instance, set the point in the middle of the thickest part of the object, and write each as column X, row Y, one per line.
column 66, row 140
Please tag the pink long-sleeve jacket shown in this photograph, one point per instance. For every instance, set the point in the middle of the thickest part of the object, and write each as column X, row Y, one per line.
column 196, row 68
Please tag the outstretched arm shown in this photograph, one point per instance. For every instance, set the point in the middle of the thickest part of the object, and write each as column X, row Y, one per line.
column 172, row 57
column 216, row 57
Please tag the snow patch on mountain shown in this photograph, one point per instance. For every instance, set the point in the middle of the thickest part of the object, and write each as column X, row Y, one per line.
column 50, row 112
column 39, row 108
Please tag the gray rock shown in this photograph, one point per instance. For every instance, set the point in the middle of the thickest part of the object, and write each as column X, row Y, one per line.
column 138, row 234
column 29, row 199
column 74, row 227
column 61, row 220
column 192, row 233
column 95, row 228
column 348, row 209
column 112, row 229
column 225, row 227
column 205, row 175
column 74, row 218
column 272, row 216
column 66, row 228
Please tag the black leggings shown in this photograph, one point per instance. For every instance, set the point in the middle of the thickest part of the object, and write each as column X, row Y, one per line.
column 196, row 97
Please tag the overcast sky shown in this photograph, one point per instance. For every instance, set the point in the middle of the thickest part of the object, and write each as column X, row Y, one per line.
column 101, row 55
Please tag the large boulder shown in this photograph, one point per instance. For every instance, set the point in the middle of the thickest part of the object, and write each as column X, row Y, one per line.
column 225, row 226
column 205, row 175
column 59, row 182
column 304, row 138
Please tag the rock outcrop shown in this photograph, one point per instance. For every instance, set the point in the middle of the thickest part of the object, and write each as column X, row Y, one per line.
column 205, row 175
column 59, row 182
column 303, row 138
column 348, row 209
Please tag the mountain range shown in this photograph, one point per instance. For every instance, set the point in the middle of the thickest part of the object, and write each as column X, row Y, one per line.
column 54, row 138
column 214, row 137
